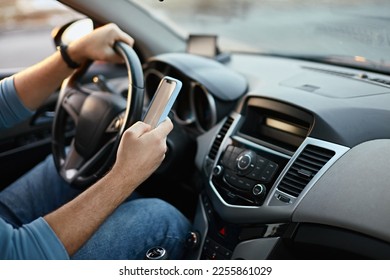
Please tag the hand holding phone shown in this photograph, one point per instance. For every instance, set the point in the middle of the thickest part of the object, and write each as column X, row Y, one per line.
column 162, row 101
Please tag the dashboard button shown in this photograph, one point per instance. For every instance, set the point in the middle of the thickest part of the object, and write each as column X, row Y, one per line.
column 258, row 190
column 246, row 161
column 244, row 184
column 217, row 170
column 268, row 172
column 260, row 161
column 240, row 183
column 230, row 177
column 255, row 174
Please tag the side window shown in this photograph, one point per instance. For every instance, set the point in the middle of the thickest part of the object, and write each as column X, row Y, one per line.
column 25, row 30
column 25, row 39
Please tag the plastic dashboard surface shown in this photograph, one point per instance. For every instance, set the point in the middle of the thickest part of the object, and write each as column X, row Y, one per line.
column 347, row 114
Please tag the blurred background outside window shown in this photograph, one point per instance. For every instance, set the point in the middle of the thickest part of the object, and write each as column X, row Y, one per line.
column 25, row 30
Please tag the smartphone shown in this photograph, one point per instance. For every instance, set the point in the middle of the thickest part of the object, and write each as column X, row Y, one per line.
column 162, row 101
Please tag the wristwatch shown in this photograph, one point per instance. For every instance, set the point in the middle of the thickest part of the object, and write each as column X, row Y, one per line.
column 63, row 49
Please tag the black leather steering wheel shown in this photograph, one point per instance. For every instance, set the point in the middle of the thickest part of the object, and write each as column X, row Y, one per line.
column 100, row 118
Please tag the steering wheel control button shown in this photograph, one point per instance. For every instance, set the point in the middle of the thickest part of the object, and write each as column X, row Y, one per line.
column 259, row 190
column 156, row 253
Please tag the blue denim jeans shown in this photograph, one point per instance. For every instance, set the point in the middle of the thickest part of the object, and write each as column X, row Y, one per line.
column 137, row 225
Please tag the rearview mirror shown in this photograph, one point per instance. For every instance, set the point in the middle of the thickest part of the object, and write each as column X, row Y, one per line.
column 72, row 31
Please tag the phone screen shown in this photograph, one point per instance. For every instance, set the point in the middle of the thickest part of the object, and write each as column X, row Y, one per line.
column 162, row 101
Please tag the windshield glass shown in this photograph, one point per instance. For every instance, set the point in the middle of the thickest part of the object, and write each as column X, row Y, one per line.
column 355, row 32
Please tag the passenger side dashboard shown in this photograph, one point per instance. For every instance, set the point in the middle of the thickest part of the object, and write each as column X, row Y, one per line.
column 314, row 131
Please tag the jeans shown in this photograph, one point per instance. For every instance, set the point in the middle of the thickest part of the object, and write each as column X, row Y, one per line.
column 136, row 226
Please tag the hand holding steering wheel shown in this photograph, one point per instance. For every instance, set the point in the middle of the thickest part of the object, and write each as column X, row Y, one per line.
column 100, row 119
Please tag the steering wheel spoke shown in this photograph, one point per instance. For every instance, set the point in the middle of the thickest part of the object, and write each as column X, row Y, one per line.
column 73, row 166
column 100, row 119
column 70, row 165
column 72, row 102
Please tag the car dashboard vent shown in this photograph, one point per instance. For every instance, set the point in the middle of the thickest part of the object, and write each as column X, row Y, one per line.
column 219, row 138
column 305, row 167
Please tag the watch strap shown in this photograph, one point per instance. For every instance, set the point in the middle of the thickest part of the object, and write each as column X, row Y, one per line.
column 65, row 56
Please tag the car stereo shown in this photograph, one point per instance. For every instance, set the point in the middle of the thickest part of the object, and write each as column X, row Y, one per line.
column 243, row 176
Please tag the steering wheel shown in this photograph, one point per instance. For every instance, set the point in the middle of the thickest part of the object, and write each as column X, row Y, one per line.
column 100, row 118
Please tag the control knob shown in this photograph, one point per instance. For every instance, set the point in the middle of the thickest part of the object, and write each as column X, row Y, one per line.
column 246, row 161
column 217, row 170
column 259, row 190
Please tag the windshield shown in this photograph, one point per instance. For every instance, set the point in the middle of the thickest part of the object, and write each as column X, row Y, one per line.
column 355, row 32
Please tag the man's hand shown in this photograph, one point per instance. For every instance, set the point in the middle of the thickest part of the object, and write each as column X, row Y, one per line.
column 98, row 45
column 139, row 154
column 141, row 151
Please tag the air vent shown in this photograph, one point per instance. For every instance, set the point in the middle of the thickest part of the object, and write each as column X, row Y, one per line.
column 219, row 138
column 305, row 167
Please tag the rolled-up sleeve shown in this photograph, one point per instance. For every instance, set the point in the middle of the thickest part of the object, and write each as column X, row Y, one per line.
column 34, row 241
column 12, row 110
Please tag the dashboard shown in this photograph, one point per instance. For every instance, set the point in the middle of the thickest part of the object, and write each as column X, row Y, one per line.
column 209, row 90
column 288, row 150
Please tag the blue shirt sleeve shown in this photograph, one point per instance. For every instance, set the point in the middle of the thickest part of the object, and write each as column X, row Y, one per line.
column 33, row 241
column 12, row 110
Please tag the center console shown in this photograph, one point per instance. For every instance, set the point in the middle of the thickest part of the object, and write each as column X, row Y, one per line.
column 260, row 164
column 244, row 176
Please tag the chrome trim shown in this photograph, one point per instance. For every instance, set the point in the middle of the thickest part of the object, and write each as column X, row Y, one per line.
column 272, row 210
column 339, row 151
